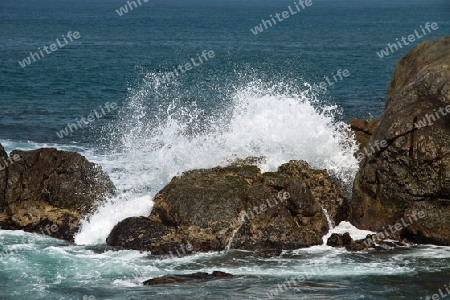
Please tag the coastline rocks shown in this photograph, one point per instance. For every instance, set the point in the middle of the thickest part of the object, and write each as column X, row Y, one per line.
column 363, row 130
column 412, row 174
column 3, row 154
column 235, row 207
column 338, row 240
column 345, row 240
column 198, row 277
column 48, row 191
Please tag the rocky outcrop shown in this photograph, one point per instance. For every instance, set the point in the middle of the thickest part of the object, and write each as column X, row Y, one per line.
column 236, row 207
column 47, row 191
column 198, row 277
column 338, row 240
column 363, row 131
column 411, row 176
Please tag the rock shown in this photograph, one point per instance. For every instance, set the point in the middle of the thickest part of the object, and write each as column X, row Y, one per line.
column 374, row 241
column 371, row 241
column 3, row 155
column 323, row 187
column 195, row 277
column 338, row 240
column 363, row 131
column 236, row 207
column 408, row 183
column 48, row 191
column 4, row 162
column 356, row 245
column 268, row 253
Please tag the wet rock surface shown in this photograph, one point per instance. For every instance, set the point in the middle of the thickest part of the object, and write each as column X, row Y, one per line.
column 371, row 241
column 198, row 277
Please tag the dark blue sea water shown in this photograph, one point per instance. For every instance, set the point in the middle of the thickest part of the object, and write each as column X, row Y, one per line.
column 256, row 95
column 114, row 52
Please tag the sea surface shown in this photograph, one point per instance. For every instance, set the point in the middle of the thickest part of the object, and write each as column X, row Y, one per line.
column 106, row 95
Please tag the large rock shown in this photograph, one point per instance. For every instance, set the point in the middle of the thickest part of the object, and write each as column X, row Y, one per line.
column 235, row 207
column 411, row 176
column 48, row 191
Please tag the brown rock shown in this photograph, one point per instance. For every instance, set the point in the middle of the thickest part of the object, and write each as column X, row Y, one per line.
column 340, row 240
column 235, row 206
column 324, row 189
column 336, row 240
column 412, row 175
column 345, row 240
column 356, row 246
column 363, row 131
column 371, row 241
column 48, row 191
column 3, row 154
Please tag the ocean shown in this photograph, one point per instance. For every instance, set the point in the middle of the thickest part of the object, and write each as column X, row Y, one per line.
column 149, row 89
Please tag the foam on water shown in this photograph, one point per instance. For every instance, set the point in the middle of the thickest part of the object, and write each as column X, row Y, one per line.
column 116, row 270
column 160, row 135
column 345, row 226
column 114, row 211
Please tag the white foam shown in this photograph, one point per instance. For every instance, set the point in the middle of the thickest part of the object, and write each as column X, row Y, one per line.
column 97, row 229
column 345, row 226
column 160, row 135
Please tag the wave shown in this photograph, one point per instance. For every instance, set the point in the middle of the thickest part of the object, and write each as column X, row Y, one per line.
column 162, row 131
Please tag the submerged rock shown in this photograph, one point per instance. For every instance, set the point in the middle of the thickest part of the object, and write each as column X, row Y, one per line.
column 338, row 240
column 48, row 191
column 405, row 187
column 236, row 207
column 195, row 277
